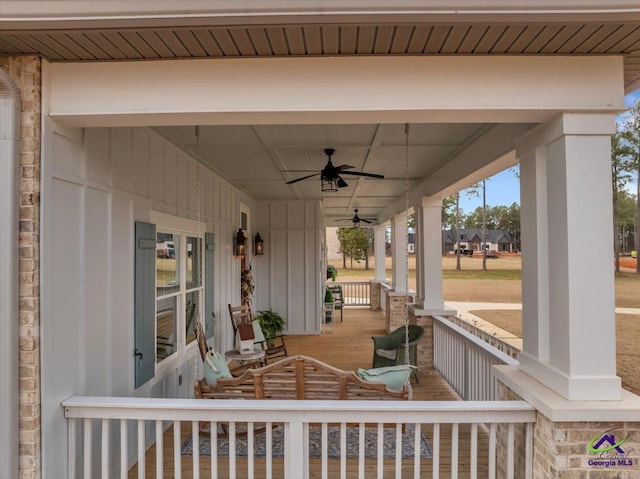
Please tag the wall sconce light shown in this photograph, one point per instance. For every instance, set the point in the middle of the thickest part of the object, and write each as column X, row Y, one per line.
column 239, row 244
column 258, row 245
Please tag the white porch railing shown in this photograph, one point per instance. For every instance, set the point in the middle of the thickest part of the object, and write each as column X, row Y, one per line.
column 98, row 427
column 486, row 336
column 466, row 361
column 356, row 293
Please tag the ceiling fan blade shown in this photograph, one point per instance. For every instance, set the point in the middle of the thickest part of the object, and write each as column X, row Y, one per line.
column 361, row 173
column 341, row 183
column 300, row 179
column 344, row 167
column 365, row 221
column 343, row 220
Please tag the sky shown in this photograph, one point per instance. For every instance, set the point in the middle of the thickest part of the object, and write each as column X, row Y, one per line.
column 504, row 188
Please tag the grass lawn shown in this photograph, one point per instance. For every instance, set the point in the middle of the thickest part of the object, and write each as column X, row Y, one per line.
column 627, row 341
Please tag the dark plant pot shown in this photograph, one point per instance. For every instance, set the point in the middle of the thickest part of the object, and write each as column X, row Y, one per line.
column 328, row 312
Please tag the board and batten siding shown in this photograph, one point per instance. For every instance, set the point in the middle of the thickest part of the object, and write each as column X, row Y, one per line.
column 96, row 183
column 288, row 276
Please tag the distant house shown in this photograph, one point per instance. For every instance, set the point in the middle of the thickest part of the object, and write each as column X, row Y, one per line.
column 471, row 240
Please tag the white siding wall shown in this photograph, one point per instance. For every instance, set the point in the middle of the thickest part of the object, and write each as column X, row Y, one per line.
column 289, row 277
column 96, row 184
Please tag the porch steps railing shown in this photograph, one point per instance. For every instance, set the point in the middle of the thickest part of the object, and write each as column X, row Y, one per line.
column 465, row 361
column 100, row 426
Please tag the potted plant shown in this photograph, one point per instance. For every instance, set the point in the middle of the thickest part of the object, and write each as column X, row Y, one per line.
column 328, row 306
column 271, row 323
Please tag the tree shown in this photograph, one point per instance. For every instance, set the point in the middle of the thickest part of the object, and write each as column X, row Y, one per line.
column 353, row 243
column 631, row 135
column 621, row 166
column 448, row 217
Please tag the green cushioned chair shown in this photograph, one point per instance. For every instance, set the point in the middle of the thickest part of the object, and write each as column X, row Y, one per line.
column 389, row 350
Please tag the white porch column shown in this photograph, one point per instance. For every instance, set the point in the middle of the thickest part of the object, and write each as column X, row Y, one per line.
column 379, row 253
column 399, row 253
column 431, row 254
column 567, row 279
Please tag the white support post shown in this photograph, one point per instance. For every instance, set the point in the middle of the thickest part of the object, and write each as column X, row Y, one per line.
column 568, row 245
column 431, row 261
column 399, row 253
column 379, row 252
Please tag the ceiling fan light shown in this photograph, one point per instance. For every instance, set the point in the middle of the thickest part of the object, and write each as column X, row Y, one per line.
column 329, row 185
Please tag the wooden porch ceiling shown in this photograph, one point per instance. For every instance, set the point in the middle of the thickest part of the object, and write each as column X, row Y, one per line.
column 378, row 38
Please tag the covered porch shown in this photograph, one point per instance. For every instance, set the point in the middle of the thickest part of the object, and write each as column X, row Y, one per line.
column 464, row 439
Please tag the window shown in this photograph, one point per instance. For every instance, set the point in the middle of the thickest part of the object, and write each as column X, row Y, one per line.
column 179, row 290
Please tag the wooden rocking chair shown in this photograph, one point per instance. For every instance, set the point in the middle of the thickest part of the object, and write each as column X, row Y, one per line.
column 274, row 349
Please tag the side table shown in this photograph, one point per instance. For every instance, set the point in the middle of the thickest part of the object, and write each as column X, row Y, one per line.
column 247, row 360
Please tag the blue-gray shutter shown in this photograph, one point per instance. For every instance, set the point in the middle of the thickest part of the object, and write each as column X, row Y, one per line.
column 209, row 253
column 145, row 303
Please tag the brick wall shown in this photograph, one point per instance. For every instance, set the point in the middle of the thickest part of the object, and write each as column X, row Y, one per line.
column 26, row 73
column 561, row 449
column 376, row 290
column 425, row 346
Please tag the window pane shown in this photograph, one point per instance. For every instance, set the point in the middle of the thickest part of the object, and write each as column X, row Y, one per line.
column 166, row 327
column 167, row 263
column 194, row 262
column 192, row 313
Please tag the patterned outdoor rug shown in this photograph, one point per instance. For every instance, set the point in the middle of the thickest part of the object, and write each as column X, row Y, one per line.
column 315, row 443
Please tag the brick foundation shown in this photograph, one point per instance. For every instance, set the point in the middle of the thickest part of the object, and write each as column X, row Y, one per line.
column 375, row 291
column 26, row 73
column 425, row 346
column 561, row 449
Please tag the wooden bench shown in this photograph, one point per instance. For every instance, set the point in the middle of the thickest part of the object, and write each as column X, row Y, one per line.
column 297, row 377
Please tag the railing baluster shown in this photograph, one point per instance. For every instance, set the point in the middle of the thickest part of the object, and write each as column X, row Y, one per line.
column 306, row 449
column 105, row 453
column 250, row 446
column 510, row 451
column 159, row 449
column 295, row 445
column 232, row 450
column 416, row 450
column 361, row 444
column 213, row 441
column 177, row 457
column 343, row 450
column 71, row 451
column 398, row 451
column 269, row 443
column 528, row 451
column 380, row 451
column 436, row 452
column 141, row 450
column 492, row 451
column 195, row 438
column 325, row 449
column 124, row 449
column 454, row 450
column 87, row 447
column 473, row 467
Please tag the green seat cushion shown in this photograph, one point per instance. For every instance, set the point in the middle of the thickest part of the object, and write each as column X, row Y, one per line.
column 387, row 353
column 394, row 377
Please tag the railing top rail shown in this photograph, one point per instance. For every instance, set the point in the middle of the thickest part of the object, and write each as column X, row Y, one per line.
column 303, row 411
column 505, row 358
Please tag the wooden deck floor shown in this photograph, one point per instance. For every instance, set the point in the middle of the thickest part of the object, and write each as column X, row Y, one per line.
column 348, row 347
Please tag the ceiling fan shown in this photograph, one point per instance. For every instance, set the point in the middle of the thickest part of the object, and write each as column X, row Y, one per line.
column 331, row 175
column 356, row 219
